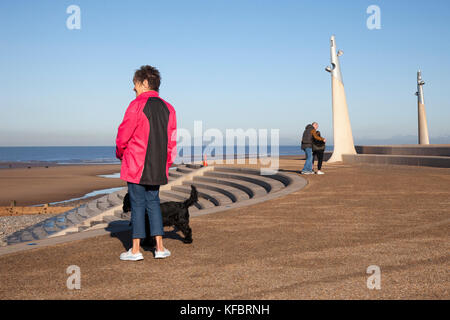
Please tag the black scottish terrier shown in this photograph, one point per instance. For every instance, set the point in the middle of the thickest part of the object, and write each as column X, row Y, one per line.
column 173, row 214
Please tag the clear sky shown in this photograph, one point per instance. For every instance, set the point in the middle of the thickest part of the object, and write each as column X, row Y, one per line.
column 232, row 64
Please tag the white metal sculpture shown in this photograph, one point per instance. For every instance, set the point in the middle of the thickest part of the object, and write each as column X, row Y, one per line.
column 422, row 116
column 342, row 130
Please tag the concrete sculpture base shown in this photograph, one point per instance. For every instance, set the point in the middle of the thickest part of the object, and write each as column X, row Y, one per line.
column 342, row 130
column 423, row 126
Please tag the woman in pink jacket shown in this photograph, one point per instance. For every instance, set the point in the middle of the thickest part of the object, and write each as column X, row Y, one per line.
column 146, row 146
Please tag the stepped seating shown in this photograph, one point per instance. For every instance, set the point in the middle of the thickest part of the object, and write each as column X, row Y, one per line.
column 251, row 189
column 437, row 150
column 235, row 194
column 412, row 155
column 219, row 188
column 217, row 197
column 174, row 195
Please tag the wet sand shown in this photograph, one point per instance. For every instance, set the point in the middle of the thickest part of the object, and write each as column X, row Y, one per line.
column 39, row 185
column 316, row 243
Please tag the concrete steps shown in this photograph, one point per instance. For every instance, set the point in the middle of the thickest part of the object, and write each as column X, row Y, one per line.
column 173, row 195
column 433, row 150
column 252, row 190
column 184, row 169
column 218, row 198
column 269, row 184
column 410, row 160
column 411, row 155
column 167, row 196
column 232, row 192
column 219, row 188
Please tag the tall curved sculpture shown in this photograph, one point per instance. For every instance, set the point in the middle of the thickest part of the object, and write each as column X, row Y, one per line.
column 422, row 116
column 342, row 130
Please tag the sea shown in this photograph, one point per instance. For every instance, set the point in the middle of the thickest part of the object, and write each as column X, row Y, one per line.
column 107, row 154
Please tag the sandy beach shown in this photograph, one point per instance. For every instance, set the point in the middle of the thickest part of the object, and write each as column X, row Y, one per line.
column 316, row 243
column 39, row 185
column 42, row 182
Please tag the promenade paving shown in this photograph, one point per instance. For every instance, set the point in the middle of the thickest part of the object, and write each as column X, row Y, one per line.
column 314, row 243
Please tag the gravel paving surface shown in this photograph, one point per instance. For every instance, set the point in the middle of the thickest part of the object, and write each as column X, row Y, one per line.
column 316, row 243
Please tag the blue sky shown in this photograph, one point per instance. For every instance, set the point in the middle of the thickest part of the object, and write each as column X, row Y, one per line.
column 232, row 64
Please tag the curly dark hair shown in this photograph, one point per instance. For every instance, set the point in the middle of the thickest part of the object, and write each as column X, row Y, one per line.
column 149, row 73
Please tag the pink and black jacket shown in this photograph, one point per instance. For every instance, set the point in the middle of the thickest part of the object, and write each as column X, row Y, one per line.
column 147, row 140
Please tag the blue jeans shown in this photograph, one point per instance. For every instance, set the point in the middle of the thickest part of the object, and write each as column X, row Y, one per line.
column 309, row 160
column 145, row 199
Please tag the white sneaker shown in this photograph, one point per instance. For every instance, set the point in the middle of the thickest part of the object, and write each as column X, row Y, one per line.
column 162, row 254
column 130, row 256
column 307, row 172
column 320, row 172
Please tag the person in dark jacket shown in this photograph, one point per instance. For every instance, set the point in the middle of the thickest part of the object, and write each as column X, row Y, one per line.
column 307, row 145
column 318, row 149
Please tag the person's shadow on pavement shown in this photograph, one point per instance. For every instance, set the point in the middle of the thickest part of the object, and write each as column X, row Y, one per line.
column 122, row 231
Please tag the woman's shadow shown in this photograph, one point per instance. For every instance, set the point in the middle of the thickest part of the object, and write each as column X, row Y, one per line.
column 122, row 231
